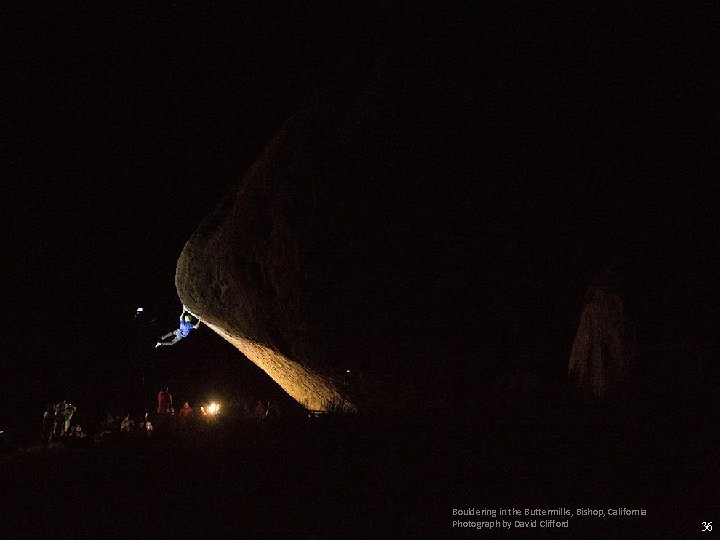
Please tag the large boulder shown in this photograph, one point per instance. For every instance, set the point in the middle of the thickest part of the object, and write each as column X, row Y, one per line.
column 429, row 219
column 335, row 255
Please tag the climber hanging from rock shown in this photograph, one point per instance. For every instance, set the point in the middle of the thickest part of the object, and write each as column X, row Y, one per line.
column 186, row 325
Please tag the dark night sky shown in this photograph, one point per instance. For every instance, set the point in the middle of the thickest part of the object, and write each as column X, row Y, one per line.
column 124, row 124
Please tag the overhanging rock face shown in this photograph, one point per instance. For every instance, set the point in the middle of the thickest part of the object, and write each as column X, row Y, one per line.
column 414, row 221
column 308, row 387
column 345, row 248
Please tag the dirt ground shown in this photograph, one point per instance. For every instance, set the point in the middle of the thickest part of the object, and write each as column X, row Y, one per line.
column 345, row 476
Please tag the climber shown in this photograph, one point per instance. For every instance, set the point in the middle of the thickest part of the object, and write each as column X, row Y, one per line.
column 182, row 332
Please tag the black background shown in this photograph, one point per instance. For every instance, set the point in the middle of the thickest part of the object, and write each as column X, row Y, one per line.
column 123, row 125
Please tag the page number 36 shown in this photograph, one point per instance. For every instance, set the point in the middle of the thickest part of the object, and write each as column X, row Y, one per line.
column 707, row 526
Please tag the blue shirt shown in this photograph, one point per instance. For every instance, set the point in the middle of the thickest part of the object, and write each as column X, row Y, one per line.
column 185, row 328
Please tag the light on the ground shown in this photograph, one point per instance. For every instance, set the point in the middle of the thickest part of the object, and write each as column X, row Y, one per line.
column 213, row 408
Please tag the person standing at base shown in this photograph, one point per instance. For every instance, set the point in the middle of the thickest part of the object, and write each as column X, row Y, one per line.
column 164, row 408
column 48, row 424
column 261, row 412
column 185, row 412
column 164, row 399
column 65, row 413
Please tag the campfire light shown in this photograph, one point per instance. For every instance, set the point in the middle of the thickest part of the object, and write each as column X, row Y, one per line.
column 213, row 408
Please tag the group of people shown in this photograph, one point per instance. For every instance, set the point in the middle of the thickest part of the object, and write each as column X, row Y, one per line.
column 165, row 409
column 266, row 412
column 56, row 421
column 57, row 416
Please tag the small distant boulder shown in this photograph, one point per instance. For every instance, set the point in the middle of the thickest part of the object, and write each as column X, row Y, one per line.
column 603, row 352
